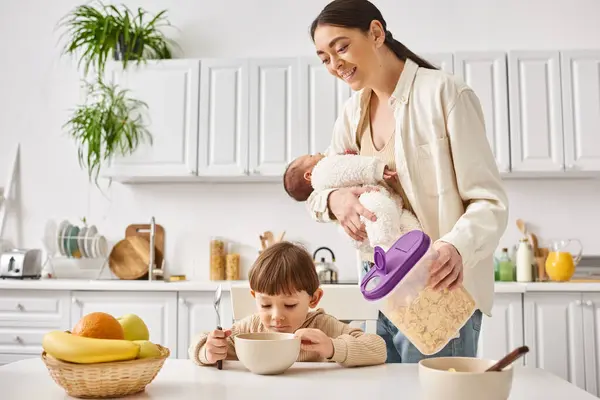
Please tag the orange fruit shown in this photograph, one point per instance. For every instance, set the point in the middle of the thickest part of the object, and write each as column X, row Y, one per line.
column 99, row 325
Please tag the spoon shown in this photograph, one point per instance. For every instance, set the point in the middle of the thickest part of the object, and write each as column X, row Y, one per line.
column 522, row 226
column 509, row 359
column 217, row 304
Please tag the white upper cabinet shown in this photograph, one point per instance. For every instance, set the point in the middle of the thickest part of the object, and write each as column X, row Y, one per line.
column 536, row 137
column 444, row 61
column 170, row 89
column 248, row 118
column 485, row 73
column 321, row 100
column 275, row 134
column 224, row 119
column 581, row 109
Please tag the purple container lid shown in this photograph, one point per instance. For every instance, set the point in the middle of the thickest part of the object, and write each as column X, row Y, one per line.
column 391, row 267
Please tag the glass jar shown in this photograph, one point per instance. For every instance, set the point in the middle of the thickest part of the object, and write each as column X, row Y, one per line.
column 217, row 259
column 398, row 282
column 232, row 264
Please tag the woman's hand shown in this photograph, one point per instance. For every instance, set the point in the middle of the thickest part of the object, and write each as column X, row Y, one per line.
column 447, row 270
column 316, row 340
column 344, row 205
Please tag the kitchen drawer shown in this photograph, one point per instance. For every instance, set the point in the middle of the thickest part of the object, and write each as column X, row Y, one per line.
column 34, row 304
column 7, row 358
column 31, row 308
column 22, row 340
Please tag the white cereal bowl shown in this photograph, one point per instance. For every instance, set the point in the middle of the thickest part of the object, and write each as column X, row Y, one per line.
column 267, row 353
column 468, row 382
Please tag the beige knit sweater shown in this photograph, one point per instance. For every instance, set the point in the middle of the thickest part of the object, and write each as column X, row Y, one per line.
column 352, row 346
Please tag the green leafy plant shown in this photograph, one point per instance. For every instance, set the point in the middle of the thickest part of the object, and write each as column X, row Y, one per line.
column 97, row 32
column 109, row 124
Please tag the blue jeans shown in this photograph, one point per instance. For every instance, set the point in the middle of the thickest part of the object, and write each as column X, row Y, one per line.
column 401, row 350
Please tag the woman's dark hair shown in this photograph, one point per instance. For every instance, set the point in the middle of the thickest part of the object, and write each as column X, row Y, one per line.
column 359, row 14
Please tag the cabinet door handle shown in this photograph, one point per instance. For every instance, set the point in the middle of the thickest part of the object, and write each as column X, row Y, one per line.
column 74, row 301
column 589, row 303
column 18, row 339
column 182, row 301
column 20, row 307
column 578, row 302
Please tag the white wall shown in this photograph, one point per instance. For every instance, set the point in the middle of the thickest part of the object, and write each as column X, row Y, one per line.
column 37, row 88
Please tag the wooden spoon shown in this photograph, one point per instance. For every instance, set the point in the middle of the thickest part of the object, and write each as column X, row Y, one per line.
column 522, row 227
column 509, row 359
column 280, row 238
column 533, row 240
column 263, row 243
column 269, row 237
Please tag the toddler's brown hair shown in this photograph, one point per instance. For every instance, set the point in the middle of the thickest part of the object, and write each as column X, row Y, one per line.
column 283, row 269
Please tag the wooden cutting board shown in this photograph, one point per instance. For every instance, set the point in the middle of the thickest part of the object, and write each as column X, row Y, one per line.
column 130, row 257
column 143, row 230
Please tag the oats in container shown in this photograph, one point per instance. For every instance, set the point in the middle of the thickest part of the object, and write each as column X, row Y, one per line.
column 398, row 283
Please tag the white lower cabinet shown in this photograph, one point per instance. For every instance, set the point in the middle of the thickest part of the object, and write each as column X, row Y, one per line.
column 503, row 331
column 25, row 316
column 562, row 332
column 157, row 309
column 197, row 314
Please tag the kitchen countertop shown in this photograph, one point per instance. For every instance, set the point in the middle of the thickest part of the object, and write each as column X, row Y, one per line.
column 181, row 379
column 195, row 286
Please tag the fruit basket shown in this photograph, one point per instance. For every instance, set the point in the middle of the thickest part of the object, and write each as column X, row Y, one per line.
column 105, row 379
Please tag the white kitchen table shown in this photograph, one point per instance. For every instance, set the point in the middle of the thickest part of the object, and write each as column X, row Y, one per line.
column 181, row 379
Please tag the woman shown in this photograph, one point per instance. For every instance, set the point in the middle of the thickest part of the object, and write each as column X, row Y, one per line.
column 428, row 126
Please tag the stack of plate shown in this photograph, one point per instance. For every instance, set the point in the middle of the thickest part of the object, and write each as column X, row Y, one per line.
column 74, row 241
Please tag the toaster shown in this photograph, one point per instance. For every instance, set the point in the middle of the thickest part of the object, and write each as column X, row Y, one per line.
column 21, row 264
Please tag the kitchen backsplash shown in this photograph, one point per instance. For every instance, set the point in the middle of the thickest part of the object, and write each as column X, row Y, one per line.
column 192, row 213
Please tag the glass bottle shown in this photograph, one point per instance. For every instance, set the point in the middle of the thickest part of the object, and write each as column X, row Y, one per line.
column 505, row 267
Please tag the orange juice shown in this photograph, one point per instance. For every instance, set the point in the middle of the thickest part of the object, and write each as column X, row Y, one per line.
column 560, row 266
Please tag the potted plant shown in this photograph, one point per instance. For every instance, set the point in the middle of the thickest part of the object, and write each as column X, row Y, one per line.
column 103, row 31
column 109, row 124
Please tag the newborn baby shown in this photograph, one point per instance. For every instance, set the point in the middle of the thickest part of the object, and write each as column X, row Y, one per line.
column 317, row 172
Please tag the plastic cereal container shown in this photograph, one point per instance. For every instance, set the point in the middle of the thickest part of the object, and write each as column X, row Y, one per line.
column 398, row 283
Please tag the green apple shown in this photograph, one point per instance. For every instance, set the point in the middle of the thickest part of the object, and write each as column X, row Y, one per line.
column 134, row 327
column 147, row 349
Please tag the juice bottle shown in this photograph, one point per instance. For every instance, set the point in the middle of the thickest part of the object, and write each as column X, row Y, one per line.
column 505, row 267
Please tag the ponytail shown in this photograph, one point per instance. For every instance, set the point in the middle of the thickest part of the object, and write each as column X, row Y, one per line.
column 403, row 52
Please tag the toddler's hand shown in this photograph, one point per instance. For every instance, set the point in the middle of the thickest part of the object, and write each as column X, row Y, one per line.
column 216, row 345
column 316, row 340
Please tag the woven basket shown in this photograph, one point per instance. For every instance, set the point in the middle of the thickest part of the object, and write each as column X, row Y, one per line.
column 105, row 380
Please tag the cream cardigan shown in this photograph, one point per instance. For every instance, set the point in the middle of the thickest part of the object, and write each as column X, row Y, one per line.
column 445, row 165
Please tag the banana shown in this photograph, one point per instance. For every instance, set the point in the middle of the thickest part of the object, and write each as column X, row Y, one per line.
column 83, row 350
